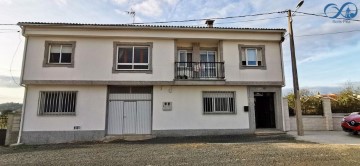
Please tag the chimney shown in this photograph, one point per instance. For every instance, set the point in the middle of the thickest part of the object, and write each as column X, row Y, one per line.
column 210, row 23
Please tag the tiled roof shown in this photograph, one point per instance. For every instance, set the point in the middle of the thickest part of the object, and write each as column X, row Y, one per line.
column 142, row 26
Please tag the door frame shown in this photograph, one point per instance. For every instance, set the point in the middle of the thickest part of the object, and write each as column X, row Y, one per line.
column 270, row 97
column 279, row 119
column 108, row 101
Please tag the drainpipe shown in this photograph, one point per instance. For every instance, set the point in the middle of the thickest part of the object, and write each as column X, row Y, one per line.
column 26, row 88
column 22, row 117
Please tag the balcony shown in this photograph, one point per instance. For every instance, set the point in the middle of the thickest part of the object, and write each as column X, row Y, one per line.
column 199, row 71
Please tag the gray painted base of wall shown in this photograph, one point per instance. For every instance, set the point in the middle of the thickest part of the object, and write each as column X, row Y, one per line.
column 51, row 137
column 200, row 132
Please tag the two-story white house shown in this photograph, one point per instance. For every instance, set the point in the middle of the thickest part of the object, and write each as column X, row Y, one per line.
column 87, row 81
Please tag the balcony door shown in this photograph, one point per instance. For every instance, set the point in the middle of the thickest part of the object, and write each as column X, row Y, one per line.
column 208, row 65
column 184, row 64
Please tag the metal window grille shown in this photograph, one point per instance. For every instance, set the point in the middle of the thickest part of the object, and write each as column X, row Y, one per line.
column 219, row 102
column 57, row 103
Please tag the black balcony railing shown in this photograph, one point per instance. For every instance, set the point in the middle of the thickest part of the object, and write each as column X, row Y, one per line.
column 199, row 70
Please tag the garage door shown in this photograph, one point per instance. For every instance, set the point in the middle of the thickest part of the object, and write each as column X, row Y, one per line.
column 129, row 110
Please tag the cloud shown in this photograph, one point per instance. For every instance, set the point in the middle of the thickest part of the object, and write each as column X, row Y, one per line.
column 120, row 2
column 120, row 12
column 61, row 2
column 7, row 81
column 5, row 2
column 171, row 2
column 149, row 8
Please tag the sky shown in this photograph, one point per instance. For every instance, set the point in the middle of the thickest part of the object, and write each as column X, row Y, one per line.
column 328, row 53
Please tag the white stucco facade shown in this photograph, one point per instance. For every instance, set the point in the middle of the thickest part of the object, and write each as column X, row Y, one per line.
column 187, row 112
column 94, row 54
column 92, row 74
column 90, row 109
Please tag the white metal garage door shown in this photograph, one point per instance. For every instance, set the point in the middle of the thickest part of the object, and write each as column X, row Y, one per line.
column 129, row 113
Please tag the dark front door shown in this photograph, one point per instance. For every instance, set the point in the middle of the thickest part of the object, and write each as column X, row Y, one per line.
column 264, row 110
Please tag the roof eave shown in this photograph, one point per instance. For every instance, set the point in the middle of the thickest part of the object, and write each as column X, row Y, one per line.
column 150, row 27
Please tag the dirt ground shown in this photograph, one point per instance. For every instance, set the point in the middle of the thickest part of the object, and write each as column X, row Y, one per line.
column 224, row 150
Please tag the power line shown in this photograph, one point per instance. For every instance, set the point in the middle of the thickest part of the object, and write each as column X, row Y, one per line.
column 251, row 20
column 214, row 18
column 318, row 15
column 12, row 60
column 10, row 32
column 319, row 34
column 8, row 29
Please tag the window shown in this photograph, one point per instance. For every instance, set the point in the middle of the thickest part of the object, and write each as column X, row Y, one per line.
column 130, row 57
column 57, row 103
column 252, row 57
column 219, row 102
column 59, row 53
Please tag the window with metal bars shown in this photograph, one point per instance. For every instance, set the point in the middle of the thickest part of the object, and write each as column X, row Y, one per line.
column 219, row 102
column 57, row 103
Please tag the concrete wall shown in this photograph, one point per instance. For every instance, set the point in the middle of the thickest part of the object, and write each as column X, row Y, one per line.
column 187, row 112
column 316, row 122
column 310, row 122
column 90, row 110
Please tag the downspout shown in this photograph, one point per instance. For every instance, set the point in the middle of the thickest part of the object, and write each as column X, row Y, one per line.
column 25, row 92
column 282, row 59
column 22, row 117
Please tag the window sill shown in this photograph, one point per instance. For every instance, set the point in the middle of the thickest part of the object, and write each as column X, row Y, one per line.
column 58, row 65
column 133, row 71
column 253, row 67
column 57, row 114
column 219, row 113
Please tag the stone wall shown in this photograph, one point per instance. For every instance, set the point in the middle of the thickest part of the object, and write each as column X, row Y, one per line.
column 13, row 127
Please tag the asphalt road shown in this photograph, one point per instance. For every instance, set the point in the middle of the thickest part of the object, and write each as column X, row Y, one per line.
column 231, row 150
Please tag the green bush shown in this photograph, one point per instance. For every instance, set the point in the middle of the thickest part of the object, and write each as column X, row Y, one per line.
column 310, row 104
column 346, row 101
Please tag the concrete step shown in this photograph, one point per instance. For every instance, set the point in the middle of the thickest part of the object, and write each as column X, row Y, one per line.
column 267, row 132
column 127, row 138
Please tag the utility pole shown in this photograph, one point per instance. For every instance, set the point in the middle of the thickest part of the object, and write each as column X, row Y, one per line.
column 299, row 122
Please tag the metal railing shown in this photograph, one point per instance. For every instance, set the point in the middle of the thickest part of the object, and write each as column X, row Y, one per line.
column 199, row 70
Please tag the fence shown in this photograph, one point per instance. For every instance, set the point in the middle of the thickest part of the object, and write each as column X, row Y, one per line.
column 327, row 121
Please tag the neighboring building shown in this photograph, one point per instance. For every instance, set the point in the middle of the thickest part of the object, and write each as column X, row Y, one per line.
column 87, row 81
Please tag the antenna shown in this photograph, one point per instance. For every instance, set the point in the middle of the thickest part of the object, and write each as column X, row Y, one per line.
column 132, row 14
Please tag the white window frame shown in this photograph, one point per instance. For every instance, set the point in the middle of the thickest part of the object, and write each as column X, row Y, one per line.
column 214, row 111
column 247, row 58
column 61, row 46
column 133, row 58
column 57, row 111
